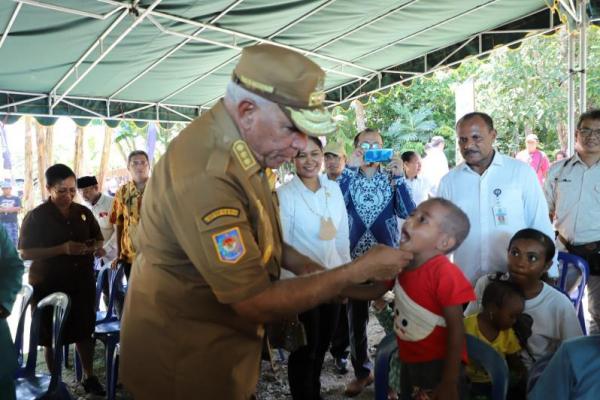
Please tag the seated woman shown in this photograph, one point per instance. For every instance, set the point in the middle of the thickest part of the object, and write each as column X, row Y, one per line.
column 530, row 255
column 315, row 222
column 60, row 236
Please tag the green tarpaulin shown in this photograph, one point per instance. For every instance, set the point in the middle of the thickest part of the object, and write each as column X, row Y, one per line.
column 167, row 60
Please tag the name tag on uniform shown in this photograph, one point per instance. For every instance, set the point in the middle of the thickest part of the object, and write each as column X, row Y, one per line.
column 500, row 215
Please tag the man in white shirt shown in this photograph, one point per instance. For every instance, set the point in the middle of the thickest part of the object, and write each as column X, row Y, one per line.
column 435, row 163
column 499, row 194
column 572, row 189
column 101, row 206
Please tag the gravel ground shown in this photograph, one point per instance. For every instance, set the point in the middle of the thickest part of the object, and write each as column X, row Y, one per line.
column 273, row 385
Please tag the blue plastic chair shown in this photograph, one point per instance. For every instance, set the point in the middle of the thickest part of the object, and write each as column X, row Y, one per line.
column 108, row 327
column 387, row 348
column 111, row 389
column 25, row 295
column 30, row 385
column 567, row 261
column 493, row 363
column 479, row 351
column 103, row 273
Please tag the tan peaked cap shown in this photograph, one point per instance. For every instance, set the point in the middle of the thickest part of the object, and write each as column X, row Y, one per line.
column 335, row 148
column 289, row 79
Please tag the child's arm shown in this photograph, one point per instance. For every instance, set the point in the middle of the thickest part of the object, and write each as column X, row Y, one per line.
column 448, row 387
column 516, row 366
column 366, row 291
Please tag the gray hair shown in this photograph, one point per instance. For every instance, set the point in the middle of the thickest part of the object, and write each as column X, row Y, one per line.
column 236, row 93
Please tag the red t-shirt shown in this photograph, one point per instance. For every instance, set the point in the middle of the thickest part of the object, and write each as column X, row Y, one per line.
column 434, row 285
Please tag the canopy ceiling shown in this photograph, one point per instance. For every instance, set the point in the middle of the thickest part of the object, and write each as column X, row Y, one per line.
column 167, row 60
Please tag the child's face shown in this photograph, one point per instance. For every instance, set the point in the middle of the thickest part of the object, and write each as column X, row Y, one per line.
column 505, row 317
column 422, row 230
column 527, row 261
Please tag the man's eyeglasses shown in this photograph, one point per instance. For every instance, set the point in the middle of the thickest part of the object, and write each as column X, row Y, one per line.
column 367, row 145
column 589, row 132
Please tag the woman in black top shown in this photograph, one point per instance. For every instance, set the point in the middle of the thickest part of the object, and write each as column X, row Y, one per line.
column 61, row 236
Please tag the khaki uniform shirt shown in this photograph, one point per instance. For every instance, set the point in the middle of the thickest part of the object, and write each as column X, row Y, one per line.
column 572, row 190
column 209, row 236
column 126, row 212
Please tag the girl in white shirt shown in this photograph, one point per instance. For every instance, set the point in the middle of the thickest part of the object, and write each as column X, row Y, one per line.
column 314, row 221
column 421, row 189
column 530, row 254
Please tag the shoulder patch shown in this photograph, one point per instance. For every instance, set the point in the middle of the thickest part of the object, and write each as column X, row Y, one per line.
column 229, row 245
column 243, row 154
column 220, row 212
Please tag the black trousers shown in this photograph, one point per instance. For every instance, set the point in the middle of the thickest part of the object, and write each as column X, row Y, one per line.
column 341, row 337
column 305, row 364
column 358, row 318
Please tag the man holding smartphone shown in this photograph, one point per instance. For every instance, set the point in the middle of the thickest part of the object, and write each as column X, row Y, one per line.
column 374, row 199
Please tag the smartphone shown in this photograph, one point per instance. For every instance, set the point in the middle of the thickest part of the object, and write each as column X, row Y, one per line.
column 378, row 155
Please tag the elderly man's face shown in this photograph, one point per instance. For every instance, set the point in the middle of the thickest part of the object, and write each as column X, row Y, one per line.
column 587, row 137
column 271, row 135
column 476, row 141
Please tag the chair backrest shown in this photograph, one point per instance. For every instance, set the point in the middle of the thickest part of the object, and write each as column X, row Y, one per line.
column 25, row 295
column 493, row 363
column 60, row 304
column 113, row 277
column 567, row 261
column 102, row 272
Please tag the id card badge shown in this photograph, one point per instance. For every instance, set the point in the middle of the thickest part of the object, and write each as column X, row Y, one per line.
column 500, row 215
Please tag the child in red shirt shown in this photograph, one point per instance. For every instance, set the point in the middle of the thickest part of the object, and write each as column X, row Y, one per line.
column 429, row 294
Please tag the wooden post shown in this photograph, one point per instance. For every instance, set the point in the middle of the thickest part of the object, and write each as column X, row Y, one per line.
column 49, row 146
column 108, row 134
column 28, row 197
column 40, row 133
column 78, row 162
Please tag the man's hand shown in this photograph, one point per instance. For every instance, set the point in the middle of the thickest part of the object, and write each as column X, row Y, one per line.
column 115, row 263
column 356, row 159
column 72, row 248
column 446, row 390
column 395, row 167
column 380, row 263
column 100, row 252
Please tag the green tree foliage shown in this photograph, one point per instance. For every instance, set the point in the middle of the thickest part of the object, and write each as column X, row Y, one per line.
column 523, row 89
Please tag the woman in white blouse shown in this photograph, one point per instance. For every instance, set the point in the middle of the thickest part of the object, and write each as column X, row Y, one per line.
column 421, row 189
column 315, row 222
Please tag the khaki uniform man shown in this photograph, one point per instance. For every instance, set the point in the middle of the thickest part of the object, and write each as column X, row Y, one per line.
column 209, row 240
column 572, row 190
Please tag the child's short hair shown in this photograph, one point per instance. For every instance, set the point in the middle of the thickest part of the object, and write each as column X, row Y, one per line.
column 497, row 291
column 540, row 237
column 456, row 223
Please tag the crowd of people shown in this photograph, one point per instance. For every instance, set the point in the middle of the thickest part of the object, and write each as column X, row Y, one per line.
column 221, row 263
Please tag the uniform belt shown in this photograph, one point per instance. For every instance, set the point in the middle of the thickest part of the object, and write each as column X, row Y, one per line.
column 591, row 247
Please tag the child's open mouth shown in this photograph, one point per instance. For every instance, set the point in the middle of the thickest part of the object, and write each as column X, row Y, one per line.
column 404, row 236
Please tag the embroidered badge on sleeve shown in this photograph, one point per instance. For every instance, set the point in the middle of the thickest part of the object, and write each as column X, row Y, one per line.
column 229, row 245
column 220, row 212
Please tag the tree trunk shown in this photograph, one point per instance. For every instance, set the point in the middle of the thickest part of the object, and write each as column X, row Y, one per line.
column 361, row 122
column 49, row 146
column 561, row 129
column 40, row 133
column 78, row 162
column 28, row 197
column 108, row 134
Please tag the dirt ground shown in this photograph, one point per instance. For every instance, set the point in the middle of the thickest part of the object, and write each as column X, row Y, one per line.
column 273, row 384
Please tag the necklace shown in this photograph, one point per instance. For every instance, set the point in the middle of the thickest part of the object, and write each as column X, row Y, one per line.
column 327, row 230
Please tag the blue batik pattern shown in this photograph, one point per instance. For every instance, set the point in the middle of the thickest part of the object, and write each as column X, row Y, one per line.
column 373, row 205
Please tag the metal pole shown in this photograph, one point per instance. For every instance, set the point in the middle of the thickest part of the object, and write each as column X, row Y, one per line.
column 571, row 93
column 583, row 56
